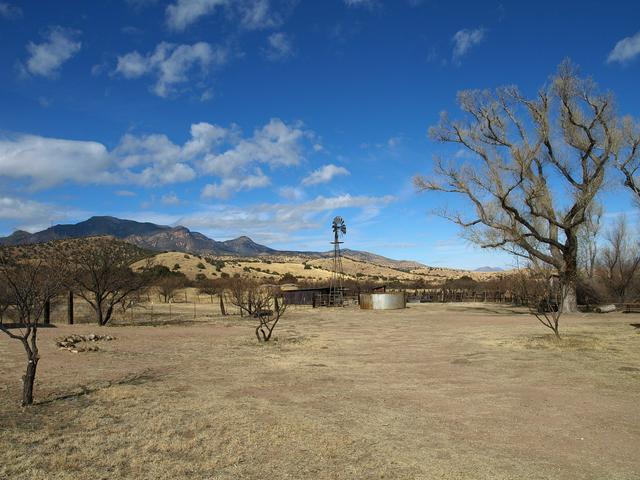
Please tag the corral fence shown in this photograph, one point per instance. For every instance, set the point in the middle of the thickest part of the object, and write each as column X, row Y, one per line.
column 446, row 295
column 148, row 308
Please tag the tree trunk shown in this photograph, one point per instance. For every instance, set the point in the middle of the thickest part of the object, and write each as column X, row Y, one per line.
column 570, row 298
column 107, row 316
column 47, row 313
column 70, row 308
column 222, row 310
column 28, row 381
column 99, row 315
column 569, row 276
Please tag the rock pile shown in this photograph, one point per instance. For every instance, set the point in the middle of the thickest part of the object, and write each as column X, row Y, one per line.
column 80, row 343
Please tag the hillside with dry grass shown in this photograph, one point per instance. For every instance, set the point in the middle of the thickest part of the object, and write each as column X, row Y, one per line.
column 304, row 269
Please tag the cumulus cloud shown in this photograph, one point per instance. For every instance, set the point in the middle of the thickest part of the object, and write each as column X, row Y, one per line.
column 170, row 199
column 45, row 59
column 230, row 185
column 26, row 214
column 276, row 144
column 291, row 193
column 258, row 15
column 171, row 64
column 17, row 209
column 185, row 12
column 279, row 47
column 250, row 14
column 324, row 174
column 233, row 162
column 464, row 40
column 9, row 11
column 625, row 50
column 50, row 161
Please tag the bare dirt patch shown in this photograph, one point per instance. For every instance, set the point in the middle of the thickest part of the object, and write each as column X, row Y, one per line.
column 451, row 392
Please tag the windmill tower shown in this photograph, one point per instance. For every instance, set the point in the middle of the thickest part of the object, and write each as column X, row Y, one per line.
column 336, row 287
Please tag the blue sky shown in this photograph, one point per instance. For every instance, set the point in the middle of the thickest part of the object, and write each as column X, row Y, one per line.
column 267, row 118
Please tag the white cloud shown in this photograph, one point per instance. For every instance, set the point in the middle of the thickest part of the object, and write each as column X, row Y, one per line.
column 125, row 193
column 291, row 193
column 9, row 11
column 171, row 64
column 17, row 209
column 33, row 216
column 170, row 199
column 280, row 47
column 47, row 57
column 625, row 50
column 158, row 174
column 230, row 185
column 185, row 12
column 258, row 15
column 50, row 161
column 324, row 174
column 276, row 144
column 263, row 220
column 464, row 40
column 204, row 137
column 150, row 160
column 250, row 14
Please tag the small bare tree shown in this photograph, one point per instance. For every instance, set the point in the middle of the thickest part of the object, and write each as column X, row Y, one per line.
column 535, row 167
column 212, row 288
column 541, row 288
column 30, row 286
column 169, row 285
column 102, row 276
column 263, row 302
column 619, row 263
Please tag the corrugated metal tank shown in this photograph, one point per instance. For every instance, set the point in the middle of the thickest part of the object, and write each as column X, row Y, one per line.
column 382, row 301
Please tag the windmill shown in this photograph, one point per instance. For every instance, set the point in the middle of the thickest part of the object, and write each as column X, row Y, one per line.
column 336, row 289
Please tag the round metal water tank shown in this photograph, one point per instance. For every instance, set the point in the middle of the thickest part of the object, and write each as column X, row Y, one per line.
column 382, row 301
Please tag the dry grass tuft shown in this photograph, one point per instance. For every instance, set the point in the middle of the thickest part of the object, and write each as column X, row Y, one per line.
column 565, row 343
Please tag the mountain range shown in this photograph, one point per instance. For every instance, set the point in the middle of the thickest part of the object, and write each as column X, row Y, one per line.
column 180, row 239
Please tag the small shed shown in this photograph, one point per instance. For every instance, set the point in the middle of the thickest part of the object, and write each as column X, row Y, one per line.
column 304, row 296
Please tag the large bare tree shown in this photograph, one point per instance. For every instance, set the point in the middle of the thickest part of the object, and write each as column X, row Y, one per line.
column 536, row 166
column 29, row 286
column 101, row 274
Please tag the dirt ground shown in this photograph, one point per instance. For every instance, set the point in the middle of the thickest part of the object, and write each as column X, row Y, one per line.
column 464, row 391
